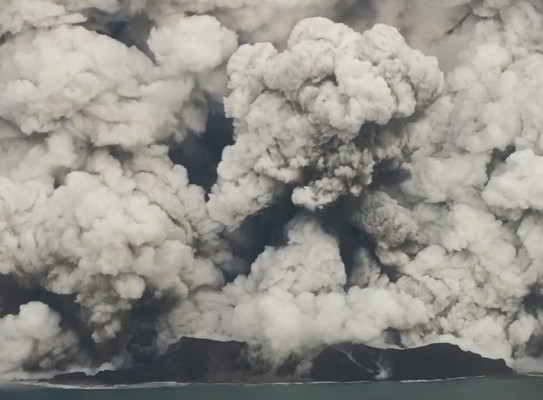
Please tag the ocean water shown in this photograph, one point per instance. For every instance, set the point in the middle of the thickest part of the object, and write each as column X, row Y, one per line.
column 515, row 388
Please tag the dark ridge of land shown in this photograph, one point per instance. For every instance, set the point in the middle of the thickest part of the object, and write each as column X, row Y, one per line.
column 193, row 360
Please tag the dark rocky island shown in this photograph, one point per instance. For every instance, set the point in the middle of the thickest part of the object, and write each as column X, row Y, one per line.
column 357, row 362
column 208, row 361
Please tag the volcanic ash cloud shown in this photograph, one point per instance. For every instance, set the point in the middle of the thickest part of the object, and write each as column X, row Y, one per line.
column 298, row 115
column 363, row 195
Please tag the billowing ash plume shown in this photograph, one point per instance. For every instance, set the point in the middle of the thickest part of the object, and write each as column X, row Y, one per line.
column 299, row 114
column 252, row 170
column 91, row 203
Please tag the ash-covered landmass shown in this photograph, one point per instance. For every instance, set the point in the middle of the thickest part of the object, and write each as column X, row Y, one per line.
column 287, row 174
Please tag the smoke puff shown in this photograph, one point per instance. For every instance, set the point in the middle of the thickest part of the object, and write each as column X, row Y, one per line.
column 20, row 15
column 518, row 185
column 218, row 43
column 33, row 337
column 279, row 268
column 79, row 238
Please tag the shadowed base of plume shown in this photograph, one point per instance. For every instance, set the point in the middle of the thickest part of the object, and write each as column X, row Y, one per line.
column 336, row 220
column 267, row 228
column 209, row 361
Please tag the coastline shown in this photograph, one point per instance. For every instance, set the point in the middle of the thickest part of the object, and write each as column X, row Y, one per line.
column 496, row 388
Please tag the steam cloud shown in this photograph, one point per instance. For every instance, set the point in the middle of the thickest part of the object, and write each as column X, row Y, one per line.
column 251, row 170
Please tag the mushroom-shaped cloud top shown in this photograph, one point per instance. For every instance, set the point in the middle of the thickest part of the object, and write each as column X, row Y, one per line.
column 298, row 114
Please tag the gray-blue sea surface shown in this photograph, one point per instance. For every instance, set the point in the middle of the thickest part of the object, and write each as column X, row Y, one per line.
column 515, row 388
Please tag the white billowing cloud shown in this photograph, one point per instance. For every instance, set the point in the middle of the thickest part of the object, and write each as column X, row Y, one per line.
column 18, row 15
column 293, row 299
column 465, row 287
column 170, row 45
column 488, row 112
column 254, row 20
column 303, row 109
column 307, row 264
column 92, row 92
column 77, row 216
column 463, row 272
column 518, row 184
column 32, row 336
column 475, row 157
column 102, row 91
